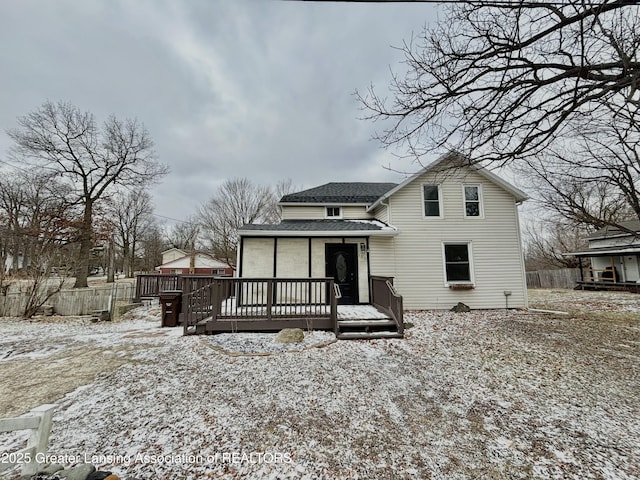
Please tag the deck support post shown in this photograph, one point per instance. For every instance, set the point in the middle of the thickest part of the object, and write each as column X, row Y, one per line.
column 269, row 298
column 334, row 307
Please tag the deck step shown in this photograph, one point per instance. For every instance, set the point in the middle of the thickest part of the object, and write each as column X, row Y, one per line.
column 367, row 322
column 368, row 336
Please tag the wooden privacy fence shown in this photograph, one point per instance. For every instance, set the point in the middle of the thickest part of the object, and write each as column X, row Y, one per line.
column 77, row 301
column 39, row 422
column 561, row 278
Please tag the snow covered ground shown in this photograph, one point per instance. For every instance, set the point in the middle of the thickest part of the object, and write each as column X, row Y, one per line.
column 486, row 394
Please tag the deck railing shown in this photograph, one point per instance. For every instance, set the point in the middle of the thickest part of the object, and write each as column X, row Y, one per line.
column 385, row 297
column 261, row 299
column 603, row 275
column 149, row 285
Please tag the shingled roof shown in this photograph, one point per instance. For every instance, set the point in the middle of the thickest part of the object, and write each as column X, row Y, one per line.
column 610, row 231
column 341, row 192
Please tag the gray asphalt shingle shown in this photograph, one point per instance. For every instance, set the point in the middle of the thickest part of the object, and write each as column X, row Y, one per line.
column 341, row 192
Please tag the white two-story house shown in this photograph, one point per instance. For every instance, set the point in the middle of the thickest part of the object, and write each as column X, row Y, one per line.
column 448, row 234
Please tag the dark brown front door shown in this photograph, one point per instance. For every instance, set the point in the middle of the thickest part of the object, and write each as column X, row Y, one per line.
column 342, row 265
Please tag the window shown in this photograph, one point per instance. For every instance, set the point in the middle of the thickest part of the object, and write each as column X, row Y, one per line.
column 333, row 212
column 457, row 261
column 217, row 271
column 176, row 271
column 431, row 198
column 472, row 203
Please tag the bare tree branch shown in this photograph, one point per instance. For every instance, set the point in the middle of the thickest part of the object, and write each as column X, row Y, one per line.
column 63, row 140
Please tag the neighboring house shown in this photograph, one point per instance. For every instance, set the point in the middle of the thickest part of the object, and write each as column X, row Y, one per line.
column 204, row 264
column 614, row 255
column 173, row 254
column 445, row 235
column 8, row 262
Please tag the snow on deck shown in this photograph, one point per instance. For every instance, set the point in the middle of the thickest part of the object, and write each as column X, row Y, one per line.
column 345, row 312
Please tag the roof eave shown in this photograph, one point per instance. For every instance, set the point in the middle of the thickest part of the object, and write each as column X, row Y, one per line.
column 318, row 233
column 322, row 204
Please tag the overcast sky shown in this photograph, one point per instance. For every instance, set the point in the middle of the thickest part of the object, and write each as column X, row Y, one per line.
column 261, row 89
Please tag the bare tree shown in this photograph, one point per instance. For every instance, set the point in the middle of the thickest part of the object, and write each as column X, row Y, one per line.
column 183, row 235
column 62, row 139
column 132, row 214
column 236, row 203
column 547, row 240
column 593, row 181
column 34, row 215
column 152, row 245
column 502, row 80
column 37, row 223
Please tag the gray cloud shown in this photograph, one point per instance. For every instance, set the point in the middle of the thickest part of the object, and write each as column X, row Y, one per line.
column 257, row 89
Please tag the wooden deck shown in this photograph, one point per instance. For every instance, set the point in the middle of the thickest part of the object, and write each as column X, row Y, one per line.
column 632, row 287
column 270, row 304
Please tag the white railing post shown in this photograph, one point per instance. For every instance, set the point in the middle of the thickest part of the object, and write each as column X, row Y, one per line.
column 39, row 438
column 39, row 422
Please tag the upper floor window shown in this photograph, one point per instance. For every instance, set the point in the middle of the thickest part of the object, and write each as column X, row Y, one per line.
column 431, row 200
column 472, row 201
column 333, row 212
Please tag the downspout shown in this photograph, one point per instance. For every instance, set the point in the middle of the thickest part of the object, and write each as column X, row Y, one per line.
column 522, row 266
column 240, row 257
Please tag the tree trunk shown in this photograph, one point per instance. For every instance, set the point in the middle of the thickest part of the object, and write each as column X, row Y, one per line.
column 111, row 261
column 82, row 267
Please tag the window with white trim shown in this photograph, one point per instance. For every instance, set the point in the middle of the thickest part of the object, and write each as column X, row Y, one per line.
column 472, row 201
column 431, row 200
column 334, row 212
column 457, row 263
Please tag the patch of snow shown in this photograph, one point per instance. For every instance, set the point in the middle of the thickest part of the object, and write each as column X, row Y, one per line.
column 484, row 394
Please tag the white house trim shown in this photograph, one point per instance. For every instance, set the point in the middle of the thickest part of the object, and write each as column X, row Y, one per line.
column 469, row 245
column 480, row 201
column 440, row 201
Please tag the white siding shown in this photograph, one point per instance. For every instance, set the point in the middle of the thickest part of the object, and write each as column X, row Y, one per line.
column 318, row 212
column 381, row 212
column 292, row 258
column 303, row 212
column 257, row 257
column 355, row 213
column 414, row 257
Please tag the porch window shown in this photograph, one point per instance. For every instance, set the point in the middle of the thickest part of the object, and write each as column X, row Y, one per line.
column 457, row 261
column 472, row 201
column 334, row 212
column 431, row 200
